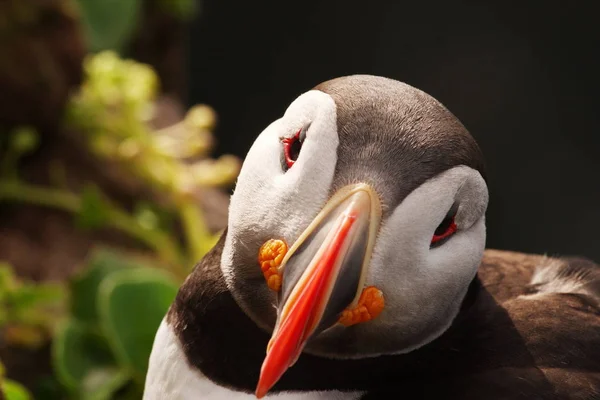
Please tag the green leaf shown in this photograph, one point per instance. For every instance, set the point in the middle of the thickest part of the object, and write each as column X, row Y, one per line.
column 109, row 24
column 34, row 294
column 132, row 304
column 80, row 354
column 13, row 391
column 38, row 303
column 94, row 211
column 84, row 288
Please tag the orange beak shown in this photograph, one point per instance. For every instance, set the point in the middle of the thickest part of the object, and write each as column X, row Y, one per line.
column 323, row 273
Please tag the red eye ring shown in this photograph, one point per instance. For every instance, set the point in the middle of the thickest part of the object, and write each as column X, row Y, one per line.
column 448, row 230
column 291, row 148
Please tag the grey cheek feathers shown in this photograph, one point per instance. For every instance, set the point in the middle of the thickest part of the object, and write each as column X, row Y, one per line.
column 423, row 285
column 407, row 233
column 475, row 189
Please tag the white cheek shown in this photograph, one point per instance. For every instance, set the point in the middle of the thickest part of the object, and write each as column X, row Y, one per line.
column 456, row 262
column 270, row 200
column 422, row 286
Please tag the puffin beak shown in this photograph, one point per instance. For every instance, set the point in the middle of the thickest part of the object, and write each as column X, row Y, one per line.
column 323, row 274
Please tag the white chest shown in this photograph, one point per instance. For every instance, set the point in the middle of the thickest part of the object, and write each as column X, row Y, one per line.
column 171, row 378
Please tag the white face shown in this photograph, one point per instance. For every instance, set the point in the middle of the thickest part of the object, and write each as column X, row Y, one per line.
column 271, row 203
column 423, row 285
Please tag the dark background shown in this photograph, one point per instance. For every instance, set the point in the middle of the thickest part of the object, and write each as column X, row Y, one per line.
column 521, row 76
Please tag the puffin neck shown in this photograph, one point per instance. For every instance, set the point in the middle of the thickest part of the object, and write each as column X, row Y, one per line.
column 208, row 322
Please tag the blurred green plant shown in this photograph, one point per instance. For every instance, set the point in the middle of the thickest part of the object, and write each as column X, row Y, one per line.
column 29, row 316
column 111, row 24
column 102, row 350
column 10, row 389
column 29, row 311
column 112, row 111
column 92, row 209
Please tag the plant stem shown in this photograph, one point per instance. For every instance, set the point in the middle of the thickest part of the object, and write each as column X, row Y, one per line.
column 194, row 226
column 17, row 191
column 166, row 248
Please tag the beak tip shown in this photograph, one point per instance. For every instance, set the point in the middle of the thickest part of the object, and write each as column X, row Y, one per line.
column 265, row 382
column 261, row 390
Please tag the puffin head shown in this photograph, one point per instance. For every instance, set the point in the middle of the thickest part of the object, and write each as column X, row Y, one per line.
column 370, row 182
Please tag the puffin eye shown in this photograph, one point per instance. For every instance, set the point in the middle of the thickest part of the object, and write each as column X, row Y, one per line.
column 444, row 230
column 292, row 147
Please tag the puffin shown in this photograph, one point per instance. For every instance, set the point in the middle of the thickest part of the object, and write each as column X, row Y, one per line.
column 354, row 266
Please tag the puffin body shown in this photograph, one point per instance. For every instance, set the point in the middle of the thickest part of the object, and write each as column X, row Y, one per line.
column 377, row 194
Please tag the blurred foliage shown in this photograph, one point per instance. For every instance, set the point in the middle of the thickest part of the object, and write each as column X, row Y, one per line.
column 113, row 109
column 112, row 112
column 29, row 315
column 111, row 24
column 102, row 351
column 11, row 389
column 101, row 347
column 28, row 311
